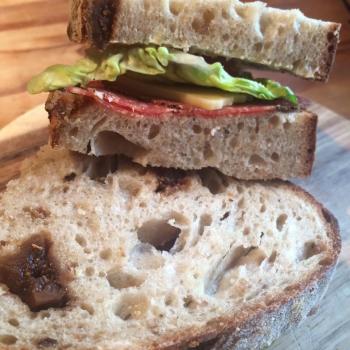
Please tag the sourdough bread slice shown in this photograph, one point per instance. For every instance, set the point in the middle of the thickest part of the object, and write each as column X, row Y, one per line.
column 277, row 39
column 156, row 259
column 268, row 145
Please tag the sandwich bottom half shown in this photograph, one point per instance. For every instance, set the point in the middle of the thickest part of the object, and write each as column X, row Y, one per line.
column 245, row 141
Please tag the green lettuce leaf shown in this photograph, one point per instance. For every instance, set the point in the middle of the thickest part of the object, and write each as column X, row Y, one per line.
column 171, row 65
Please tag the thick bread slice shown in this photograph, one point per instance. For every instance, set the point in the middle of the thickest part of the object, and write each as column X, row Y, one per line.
column 163, row 260
column 278, row 39
column 272, row 145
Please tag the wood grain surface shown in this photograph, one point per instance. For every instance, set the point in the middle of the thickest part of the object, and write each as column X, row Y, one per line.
column 329, row 329
column 33, row 36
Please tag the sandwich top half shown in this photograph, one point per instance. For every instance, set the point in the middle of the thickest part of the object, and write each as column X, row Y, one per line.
column 198, row 43
column 143, row 55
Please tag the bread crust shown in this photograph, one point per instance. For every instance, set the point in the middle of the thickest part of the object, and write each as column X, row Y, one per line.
column 76, row 121
column 130, row 22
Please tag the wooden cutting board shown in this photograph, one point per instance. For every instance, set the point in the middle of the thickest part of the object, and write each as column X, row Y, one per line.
column 329, row 329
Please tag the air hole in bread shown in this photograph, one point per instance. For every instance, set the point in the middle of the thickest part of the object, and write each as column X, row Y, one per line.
column 13, row 322
column 225, row 13
column 201, row 25
column 255, row 159
column 45, row 314
column 275, row 121
column 280, row 222
column 272, row 257
column 287, row 125
column 275, row 157
column 240, row 126
column 175, row 7
column 87, row 251
column 98, row 168
column 89, row 271
column 225, row 216
column 172, row 27
column 111, row 143
column 238, row 256
column 240, row 203
column 263, row 208
column 258, row 47
column 7, row 339
column 326, row 261
column 132, row 306
column 268, row 45
column 146, row 5
column 169, row 300
column 130, row 185
column 153, row 131
column 246, row 231
column 144, row 256
column 226, row 37
column 204, row 221
column 208, row 16
column 197, row 25
column 196, row 129
column 106, row 254
column 213, row 180
column 241, row 11
column 81, row 240
column 239, row 189
column 158, row 233
column 74, row 131
column 88, row 308
column 312, row 248
column 281, row 30
column 208, row 152
column 233, row 143
column 188, row 301
column 119, row 279
column 46, row 343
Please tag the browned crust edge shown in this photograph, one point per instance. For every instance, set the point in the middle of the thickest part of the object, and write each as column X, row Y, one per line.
column 99, row 21
column 310, row 150
column 327, row 63
column 261, row 325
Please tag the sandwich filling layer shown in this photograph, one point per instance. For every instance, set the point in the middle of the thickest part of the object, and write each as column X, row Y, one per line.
column 165, row 67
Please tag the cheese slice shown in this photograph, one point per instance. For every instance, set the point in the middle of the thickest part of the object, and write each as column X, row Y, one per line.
column 206, row 98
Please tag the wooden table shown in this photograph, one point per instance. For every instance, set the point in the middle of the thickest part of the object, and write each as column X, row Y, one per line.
column 32, row 36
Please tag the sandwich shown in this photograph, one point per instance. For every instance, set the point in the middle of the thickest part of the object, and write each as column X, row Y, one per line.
column 101, row 253
column 136, row 234
column 170, row 84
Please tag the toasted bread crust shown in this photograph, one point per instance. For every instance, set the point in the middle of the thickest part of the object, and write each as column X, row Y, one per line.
column 101, row 21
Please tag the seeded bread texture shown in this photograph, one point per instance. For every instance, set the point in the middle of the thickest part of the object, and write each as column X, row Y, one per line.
column 279, row 39
column 164, row 260
column 274, row 145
